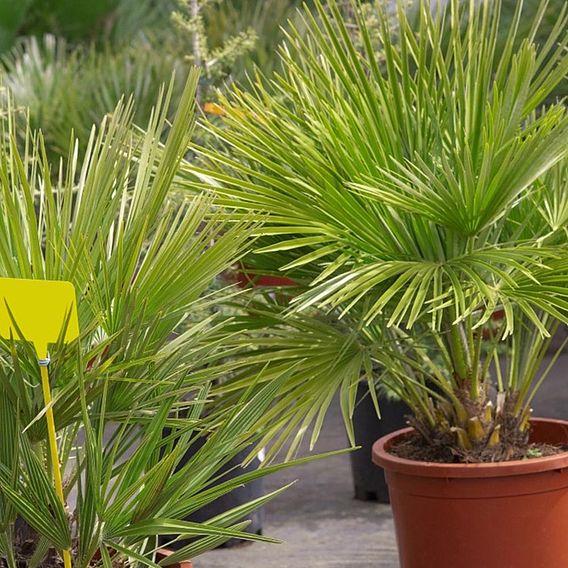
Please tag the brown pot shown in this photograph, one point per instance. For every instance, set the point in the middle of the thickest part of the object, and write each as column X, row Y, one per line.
column 160, row 554
column 246, row 278
column 163, row 553
column 492, row 515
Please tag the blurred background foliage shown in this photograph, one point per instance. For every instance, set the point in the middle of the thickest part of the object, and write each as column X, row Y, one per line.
column 69, row 61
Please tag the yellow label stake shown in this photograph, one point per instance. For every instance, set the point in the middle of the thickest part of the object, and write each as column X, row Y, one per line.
column 39, row 311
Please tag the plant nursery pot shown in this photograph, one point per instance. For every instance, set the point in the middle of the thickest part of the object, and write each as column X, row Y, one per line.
column 160, row 555
column 245, row 279
column 369, row 480
column 164, row 553
column 491, row 515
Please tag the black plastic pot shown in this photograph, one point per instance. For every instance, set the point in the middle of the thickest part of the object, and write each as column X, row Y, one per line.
column 239, row 496
column 368, row 479
column 558, row 339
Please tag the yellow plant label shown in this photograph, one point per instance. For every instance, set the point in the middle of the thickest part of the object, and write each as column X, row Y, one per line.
column 39, row 311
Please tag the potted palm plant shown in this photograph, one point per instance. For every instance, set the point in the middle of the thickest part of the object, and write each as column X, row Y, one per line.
column 418, row 179
column 140, row 260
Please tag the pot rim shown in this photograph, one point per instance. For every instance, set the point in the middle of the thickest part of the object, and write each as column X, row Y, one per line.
column 165, row 552
column 382, row 457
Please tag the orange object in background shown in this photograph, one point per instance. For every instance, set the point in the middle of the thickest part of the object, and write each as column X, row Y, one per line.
column 213, row 108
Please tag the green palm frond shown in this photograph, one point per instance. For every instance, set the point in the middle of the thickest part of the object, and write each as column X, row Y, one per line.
column 313, row 357
column 402, row 162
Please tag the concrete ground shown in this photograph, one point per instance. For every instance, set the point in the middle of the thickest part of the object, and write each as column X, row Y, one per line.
column 321, row 523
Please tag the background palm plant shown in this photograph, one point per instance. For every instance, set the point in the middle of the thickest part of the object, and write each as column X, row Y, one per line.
column 69, row 65
column 66, row 90
column 417, row 183
column 141, row 261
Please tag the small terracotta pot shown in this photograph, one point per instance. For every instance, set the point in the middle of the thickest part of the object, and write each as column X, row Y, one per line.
column 488, row 331
column 163, row 553
column 491, row 515
column 245, row 279
column 160, row 554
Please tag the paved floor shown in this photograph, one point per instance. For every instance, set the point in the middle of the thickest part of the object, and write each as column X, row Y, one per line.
column 321, row 523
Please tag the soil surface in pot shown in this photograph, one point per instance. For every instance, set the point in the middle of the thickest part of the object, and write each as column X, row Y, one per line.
column 414, row 447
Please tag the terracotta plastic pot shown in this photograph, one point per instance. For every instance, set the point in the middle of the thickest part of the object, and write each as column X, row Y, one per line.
column 499, row 515
column 244, row 279
column 248, row 279
column 160, row 555
column 164, row 553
